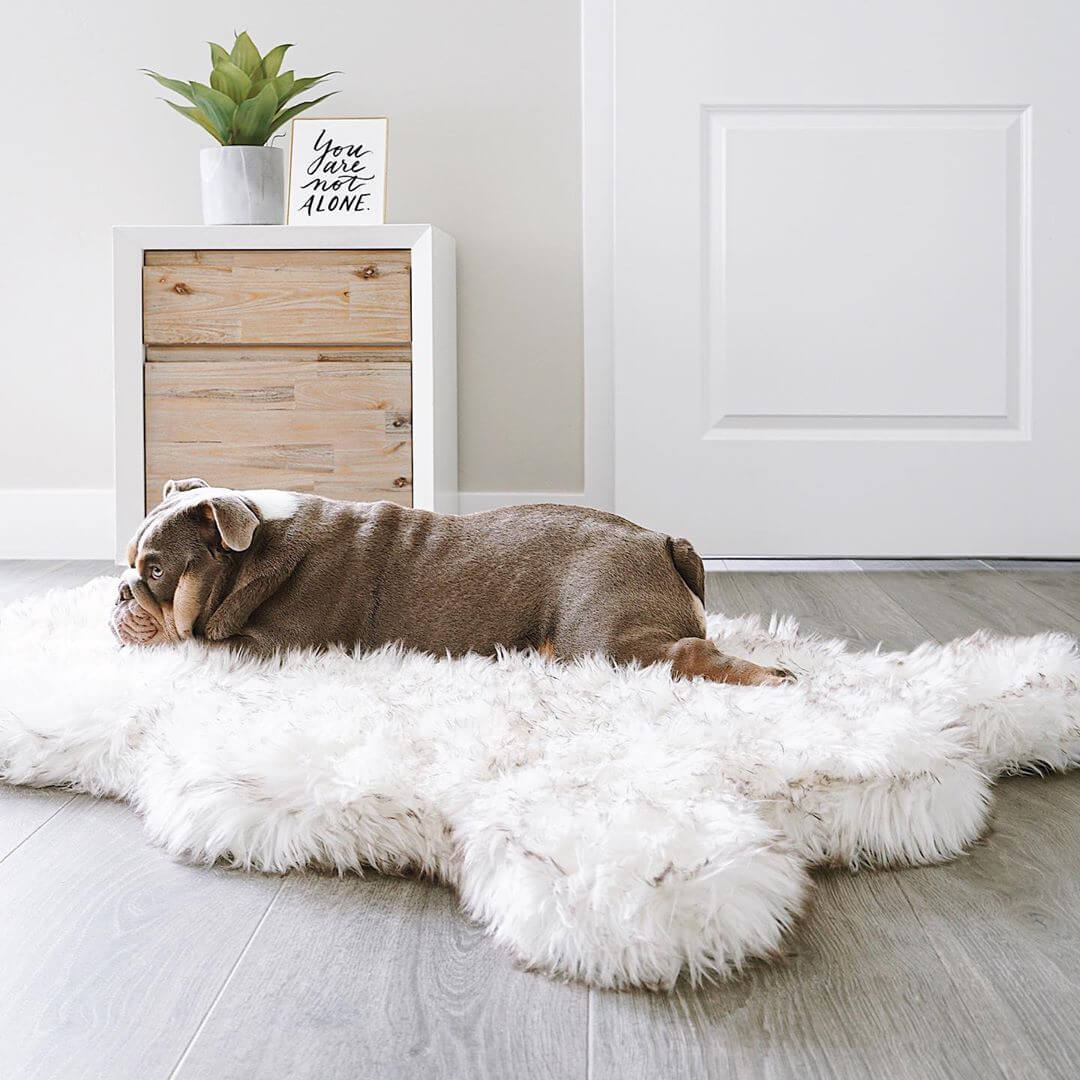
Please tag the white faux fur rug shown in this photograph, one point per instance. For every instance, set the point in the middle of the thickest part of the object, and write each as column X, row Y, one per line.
column 610, row 825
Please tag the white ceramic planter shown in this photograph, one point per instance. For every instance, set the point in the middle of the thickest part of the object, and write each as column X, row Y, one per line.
column 243, row 185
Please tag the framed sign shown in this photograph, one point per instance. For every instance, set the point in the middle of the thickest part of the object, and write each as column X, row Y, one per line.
column 337, row 170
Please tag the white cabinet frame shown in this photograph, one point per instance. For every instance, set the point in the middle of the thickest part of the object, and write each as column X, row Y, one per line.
column 434, row 343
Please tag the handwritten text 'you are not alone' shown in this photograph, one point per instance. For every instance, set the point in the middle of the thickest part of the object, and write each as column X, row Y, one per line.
column 339, row 177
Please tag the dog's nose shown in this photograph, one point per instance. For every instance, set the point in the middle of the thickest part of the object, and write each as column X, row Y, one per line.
column 127, row 581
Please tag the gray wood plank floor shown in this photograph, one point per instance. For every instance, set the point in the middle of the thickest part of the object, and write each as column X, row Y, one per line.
column 119, row 962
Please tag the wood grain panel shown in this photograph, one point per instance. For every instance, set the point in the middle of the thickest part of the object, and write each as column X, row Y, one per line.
column 382, row 978
column 845, row 605
column 314, row 354
column 340, row 430
column 25, row 810
column 276, row 297
column 951, row 603
column 1056, row 582
column 112, row 951
column 263, row 259
column 862, row 992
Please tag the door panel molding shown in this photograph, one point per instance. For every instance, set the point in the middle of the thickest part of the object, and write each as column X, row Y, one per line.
column 977, row 154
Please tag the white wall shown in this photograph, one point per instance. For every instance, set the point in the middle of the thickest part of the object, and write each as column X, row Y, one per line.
column 483, row 100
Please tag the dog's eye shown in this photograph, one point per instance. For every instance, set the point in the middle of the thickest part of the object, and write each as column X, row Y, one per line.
column 156, row 571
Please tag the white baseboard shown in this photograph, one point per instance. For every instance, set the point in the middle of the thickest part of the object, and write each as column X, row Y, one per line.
column 470, row 502
column 56, row 523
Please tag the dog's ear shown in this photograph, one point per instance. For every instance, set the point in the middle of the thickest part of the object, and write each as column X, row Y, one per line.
column 173, row 486
column 233, row 519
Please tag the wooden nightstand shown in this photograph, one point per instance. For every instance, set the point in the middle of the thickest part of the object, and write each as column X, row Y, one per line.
column 317, row 359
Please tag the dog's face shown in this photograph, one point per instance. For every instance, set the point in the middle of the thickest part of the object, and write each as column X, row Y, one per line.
column 178, row 552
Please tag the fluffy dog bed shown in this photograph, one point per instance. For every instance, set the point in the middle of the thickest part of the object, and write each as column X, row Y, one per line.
column 611, row 825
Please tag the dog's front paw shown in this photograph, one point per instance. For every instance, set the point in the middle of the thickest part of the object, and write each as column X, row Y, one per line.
column 132, row 625
column 216, row 631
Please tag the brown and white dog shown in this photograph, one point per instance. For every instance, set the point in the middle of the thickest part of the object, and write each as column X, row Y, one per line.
column 265, row 571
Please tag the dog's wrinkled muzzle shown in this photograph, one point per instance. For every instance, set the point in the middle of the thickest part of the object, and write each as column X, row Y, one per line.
column 132, row 587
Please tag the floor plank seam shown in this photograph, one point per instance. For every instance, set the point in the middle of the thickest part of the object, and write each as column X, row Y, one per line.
column 871, row 640
column 1055, row 604
column 225, row 983
column 933, row 942
column 41, row 825
column 871, row 576
column 732, row 578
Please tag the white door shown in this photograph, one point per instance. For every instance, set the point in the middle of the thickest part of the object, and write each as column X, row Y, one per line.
column 847, row 275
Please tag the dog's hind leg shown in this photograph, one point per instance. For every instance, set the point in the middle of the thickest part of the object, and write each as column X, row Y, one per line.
column 696, row 657
column 692, row 657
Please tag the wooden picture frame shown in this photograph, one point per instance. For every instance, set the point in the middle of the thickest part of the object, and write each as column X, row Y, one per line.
column 337, row 170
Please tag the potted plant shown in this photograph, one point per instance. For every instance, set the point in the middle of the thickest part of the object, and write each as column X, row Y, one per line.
column 246, row 101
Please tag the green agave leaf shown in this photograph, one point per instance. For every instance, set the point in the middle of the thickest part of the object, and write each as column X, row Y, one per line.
column 300, row 85
column 271, row 62
column 177, row 87
column 285, row 116
column 280, row 84
column 229, row 79
column 198, row 116
column 218, row 107
column 218, row 53
column 283, row 87
column 244, row 54
column 251, row 125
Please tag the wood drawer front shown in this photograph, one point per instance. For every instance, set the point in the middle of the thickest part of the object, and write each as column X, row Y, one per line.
column 338, row 429
column 257, row 354
column 276, row 298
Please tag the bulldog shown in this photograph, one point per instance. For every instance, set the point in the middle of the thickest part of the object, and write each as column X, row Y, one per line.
column 266, row 571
